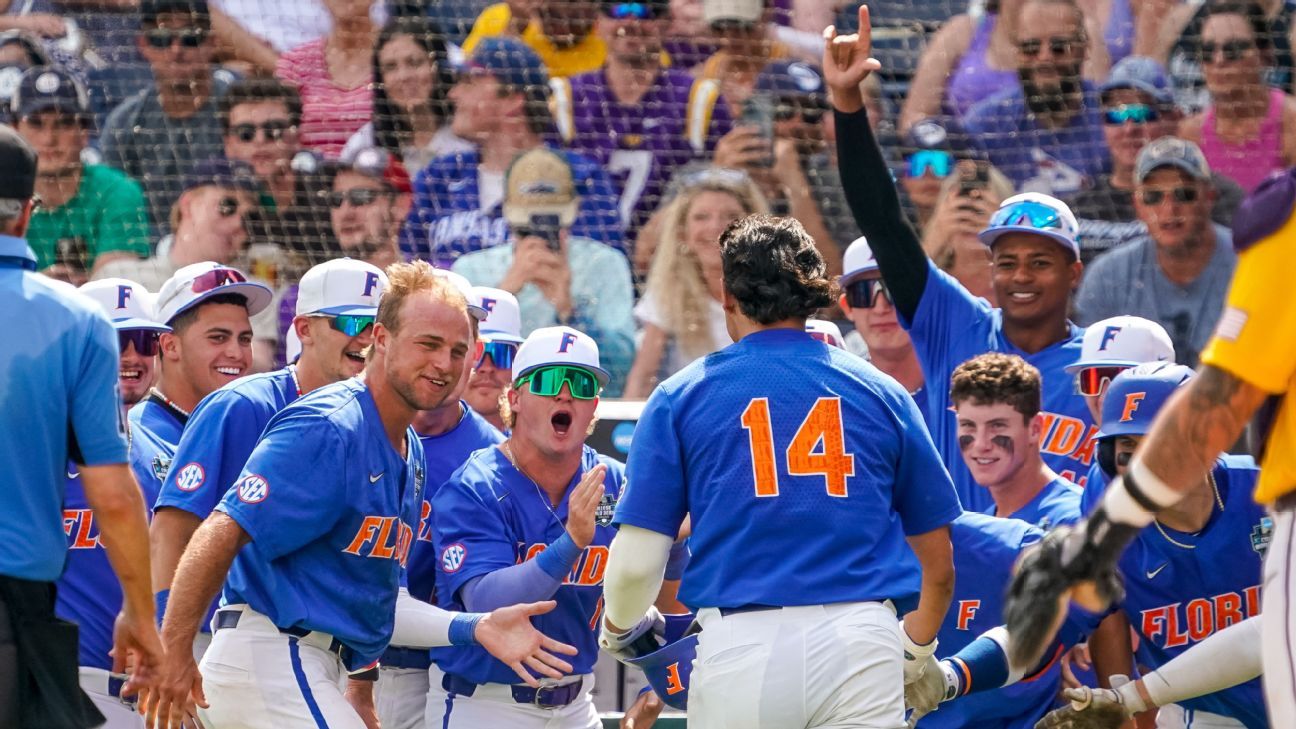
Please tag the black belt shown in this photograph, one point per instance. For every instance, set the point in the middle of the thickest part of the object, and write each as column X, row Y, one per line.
column 726, row 612
column 230, row 619
column 549, row 697
column 406, row 658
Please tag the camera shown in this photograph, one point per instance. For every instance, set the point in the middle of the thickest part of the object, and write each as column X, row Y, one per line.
column 547, row 227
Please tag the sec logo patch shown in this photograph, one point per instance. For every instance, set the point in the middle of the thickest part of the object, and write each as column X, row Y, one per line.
column 452, row 558
column 190, row 477
column 253, row 489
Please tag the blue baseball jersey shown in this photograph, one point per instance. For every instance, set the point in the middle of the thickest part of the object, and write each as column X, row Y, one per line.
column 952, row 326
column 445, row 453
column 490, row 516
column 985, row 549
column 155, row 431
column 1057, row 503
column 803, row 467
column 331, row 509
column 219, row 437
column 88, row 591
column 1181, row 588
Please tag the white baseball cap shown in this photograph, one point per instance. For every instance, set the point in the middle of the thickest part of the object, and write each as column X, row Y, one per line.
column 466, row 288
column 559, row 346
column 1034, row 212
column 826, row 332
column 857, row 261
column 128, row 304
column 503, row 322
column 341, row 286
column 292, row 345
column 1123, row 341
column 197, row 282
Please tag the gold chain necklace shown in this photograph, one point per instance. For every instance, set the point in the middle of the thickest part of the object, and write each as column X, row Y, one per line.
column 1210, row 477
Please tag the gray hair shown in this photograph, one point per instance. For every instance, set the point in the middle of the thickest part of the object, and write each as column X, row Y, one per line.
column 11, row 209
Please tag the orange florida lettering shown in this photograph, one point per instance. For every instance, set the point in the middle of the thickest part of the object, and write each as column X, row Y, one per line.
column 80, row 521
column 1177, row 625
column 376, row 533
column 1067, row 436
column 674, row 684
column 967, row 609
column 586, row 572
column 425, row 522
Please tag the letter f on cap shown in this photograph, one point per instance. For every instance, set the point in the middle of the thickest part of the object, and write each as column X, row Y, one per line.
column 1108, row 335
column 568, row 339
column 371, row 280
column 123, row 295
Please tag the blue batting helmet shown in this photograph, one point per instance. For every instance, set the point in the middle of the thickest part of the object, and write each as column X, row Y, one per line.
column 668, row 670
column 1135, row 396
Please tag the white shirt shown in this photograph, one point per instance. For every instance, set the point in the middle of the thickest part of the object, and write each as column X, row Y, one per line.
column 286, row 24
column 648, row 311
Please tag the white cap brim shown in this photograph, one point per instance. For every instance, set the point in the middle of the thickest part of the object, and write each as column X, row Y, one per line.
column 258, row 297
column 500, row 337
column 345, row 310
column 138, row 323
column 1086, row 364
column 990, row 235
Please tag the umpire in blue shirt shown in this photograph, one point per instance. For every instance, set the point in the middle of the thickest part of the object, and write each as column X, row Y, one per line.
column 59, row 403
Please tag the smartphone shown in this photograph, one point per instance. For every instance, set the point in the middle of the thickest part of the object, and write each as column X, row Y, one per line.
column 758, row 112
column 547, row 227
column 973, row 177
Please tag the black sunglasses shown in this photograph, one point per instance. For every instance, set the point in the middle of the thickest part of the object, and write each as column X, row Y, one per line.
column 161, row 38
column 786, row 110
column 1233, row 50
column 359, row 197
column 863, row 294
column 273, row 129
column 1181, row 195
column 1057, row 45
column 145, row 340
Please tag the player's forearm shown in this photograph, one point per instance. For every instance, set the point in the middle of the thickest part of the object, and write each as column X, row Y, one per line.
column 169, row 534
column 636, row 565
column 1109, row 645
column 1224, row 660
column 118, row 507
column 420, row 625
column 532, row 581
column 936, row 556
column 202, row 570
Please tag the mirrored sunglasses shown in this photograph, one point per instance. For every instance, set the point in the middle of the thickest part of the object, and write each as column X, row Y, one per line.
column 1092, row 381
column 937, row 161
column 145, row 341
column 549, row 381
column 501, row 354
column 864, row 294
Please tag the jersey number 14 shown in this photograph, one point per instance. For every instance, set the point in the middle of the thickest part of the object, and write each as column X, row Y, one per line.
column 817, row 449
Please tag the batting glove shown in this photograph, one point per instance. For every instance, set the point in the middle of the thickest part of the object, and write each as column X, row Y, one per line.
column 1092, row 708
column 915, row 656
column 647, row 636
column 938, row 683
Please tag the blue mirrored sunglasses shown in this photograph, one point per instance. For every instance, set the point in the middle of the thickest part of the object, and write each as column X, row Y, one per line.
column 1137, row 113
column 938, row 161
column 352, row 324
column 1028, row 213
column 630, row 11
column 500, row 353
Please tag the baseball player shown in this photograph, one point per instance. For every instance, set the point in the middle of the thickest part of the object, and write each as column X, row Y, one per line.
column 310, row 540
column 996, row 400
column 88, row 593
column 822, row 330
column 529, row 520
column 501, row 333
column 1248, row 361
column 1110, row 347
column 804, row 470
column 1035, row 264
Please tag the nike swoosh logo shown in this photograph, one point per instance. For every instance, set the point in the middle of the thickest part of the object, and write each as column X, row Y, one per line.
column 1157, row 571
column 373, row 478
column 73, row 474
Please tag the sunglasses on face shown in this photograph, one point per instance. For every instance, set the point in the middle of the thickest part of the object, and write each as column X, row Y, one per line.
column 163, row 38
column 273, row 130
column 217, row 277
column 501, row 354
column 629, row 11
column 1136, row 113
column 352, row 324
column 787, row 111
column 145, row 341
column 1057, row 46
column 864, row 294
column 1093, row 380
column 936, row 161
column 359, row 197
column 1232, row 50
column 1181, row 195
column 549, row 381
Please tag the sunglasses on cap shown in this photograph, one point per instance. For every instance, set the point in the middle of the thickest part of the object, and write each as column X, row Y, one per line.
column 145, row 341
column 162, row 38
column 216, row 278
column 273, row 130
column 359, row 197
column 549, row 381
column 1232, row 50
column 937, row 161
column 1030, row 213
column 1057, row 46
column 500, row 353
column 864, row 294
column 1092, row 381
column 352, row 324
column 1136, row 113
column 1181, row 195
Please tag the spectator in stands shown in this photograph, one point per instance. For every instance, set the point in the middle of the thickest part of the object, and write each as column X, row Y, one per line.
column 742, row 28
column 561, row 32
column 1045, row 133
column 680, row 310
column 502, row 106
column 90, row 214
column 878, row 335
column 1249, row 129
column 931, row 148
column 158, row 135
column 412, row 75
column 1178, row 274
column 369, row 201
column 638, row 120
column 965, row 202
column 334, row 77
column 1138, row 107
column 558, row 278
column 24, row 49
column 257, row 31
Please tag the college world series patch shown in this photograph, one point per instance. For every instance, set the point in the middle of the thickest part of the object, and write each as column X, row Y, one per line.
column 605, row 509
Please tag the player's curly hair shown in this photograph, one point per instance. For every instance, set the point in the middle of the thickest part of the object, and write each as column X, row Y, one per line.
column 773, row 269
column 989, row 379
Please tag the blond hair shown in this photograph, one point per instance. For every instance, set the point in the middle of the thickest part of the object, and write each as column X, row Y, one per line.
column 675, row 279
column 406, row 279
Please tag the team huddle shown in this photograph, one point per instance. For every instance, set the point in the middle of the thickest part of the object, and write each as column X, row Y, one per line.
column 1044, row 534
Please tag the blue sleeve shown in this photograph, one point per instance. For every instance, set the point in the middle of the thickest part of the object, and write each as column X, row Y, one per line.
column 678, row 560
column 945, row 312
column 924, row 494
column 470, row 535
column 533, row 580
column 598, row 217
column 94, row 403
column 654, row 495
column 281, row 506
column 213, row 450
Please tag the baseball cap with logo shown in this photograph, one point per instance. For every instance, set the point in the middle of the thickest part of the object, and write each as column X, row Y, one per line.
column 503, row 322
column 341, row 287
column 1171, row 152
column 44, row 88
column 825, row 331
column 559, row 346
column 539, row 182
column 197, row 282
column 857, row 261
column 128, row 304
column 510, row 61
column 1123, row 341
column 732, row 11
column 465, row 287
column 1034, row 212
column 380, row 165
column 792, row 79
column 1141, row 74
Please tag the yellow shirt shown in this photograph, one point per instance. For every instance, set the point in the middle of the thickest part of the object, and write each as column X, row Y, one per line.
column 1256, row 342
column 587, row 55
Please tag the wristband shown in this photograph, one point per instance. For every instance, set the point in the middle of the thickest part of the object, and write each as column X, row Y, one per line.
column 463, row 628
column 160, row 603
column 557, row 559
column 368, row 673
